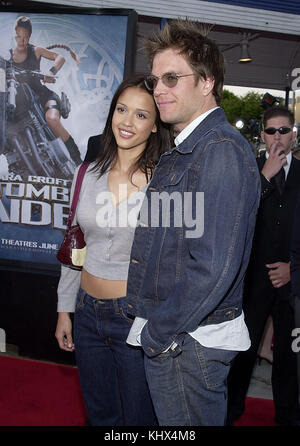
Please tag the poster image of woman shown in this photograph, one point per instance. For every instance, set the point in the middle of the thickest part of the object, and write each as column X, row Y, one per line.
column 58, row 74
column 27, row 87
column 26, row 56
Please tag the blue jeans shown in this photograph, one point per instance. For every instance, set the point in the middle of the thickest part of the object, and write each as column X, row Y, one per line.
column 190, row 389
column 111, row 372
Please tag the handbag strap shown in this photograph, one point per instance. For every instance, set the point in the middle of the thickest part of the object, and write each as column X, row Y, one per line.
column 79, row 179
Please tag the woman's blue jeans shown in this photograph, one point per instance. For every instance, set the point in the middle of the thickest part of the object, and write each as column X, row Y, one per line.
column 111, row 372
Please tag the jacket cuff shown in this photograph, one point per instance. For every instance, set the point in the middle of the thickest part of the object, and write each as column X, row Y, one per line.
column 266, row 186
column 151, row 347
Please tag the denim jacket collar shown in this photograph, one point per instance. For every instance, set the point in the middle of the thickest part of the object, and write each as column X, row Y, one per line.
column 215, row 118
column 192, row 125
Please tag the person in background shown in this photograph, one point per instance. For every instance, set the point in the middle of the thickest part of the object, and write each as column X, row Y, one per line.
column 93, row 148
column 295, row 287
column 111, row 372
column 267, row 285
column 185, row 285
column 265, row 351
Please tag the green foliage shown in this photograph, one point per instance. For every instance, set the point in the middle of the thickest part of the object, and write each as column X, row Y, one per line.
column 245, row 107
column 251, row 108
column 232, row 105
column 242, row 107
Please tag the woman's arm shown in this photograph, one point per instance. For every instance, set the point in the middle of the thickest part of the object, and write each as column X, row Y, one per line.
column 63, row 332
column 67, row 290
column 50, row 55
column 69, row 284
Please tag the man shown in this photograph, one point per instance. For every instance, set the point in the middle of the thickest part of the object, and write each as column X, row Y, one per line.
column 93, row 148
column 267, row 285
column 185, row 286
column 295, row 285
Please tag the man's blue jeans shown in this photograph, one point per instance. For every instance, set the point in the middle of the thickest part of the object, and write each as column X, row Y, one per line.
column 111, row 372
column 190, row 389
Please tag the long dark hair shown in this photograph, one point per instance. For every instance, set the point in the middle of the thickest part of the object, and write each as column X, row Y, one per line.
column 157, row 143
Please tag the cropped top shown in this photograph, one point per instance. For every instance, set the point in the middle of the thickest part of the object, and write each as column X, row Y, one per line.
column 108, row 233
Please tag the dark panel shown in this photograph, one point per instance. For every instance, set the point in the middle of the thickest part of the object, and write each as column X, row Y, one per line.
column 287, row 6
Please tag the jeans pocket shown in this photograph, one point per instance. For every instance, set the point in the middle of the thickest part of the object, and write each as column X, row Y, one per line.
column 80, row 301
column 124, row 315
column 214, row 364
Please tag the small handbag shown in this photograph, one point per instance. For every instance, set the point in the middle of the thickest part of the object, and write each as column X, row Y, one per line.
column 73, row 248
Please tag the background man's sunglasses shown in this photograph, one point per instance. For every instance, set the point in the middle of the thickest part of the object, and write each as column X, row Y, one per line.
column 281, row 130
column 168, row 79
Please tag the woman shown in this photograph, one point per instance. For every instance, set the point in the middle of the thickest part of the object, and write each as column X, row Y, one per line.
column 112, row 372
column 26, row 56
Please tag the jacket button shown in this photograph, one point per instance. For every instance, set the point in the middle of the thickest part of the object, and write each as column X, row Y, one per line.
column 134, row 261
column 151, row 349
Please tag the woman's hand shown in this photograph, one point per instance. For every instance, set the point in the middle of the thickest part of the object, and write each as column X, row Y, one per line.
column 63, row 332
column 49, row 78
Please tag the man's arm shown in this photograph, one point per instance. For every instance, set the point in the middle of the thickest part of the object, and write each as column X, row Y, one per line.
column 272, row 166
column 266, row 187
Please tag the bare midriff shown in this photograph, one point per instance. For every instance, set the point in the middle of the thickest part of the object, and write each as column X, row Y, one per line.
column 102, row 288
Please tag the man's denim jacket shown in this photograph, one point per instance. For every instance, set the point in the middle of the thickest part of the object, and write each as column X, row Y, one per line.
column 176, row 280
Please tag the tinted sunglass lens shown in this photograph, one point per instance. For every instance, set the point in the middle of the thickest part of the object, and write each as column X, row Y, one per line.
column 281, row 130
column 170, row 80
column 150, row 82
column 284, row 130
column 270, row 131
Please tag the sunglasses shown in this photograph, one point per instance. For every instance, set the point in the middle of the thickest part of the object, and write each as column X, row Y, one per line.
column 168, row 79
column 281, row 130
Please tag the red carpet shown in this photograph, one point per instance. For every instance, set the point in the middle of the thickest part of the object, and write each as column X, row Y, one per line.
column 34, row 393
column 258, row 412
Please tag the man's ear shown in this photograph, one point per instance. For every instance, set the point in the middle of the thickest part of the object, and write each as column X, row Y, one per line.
column 208, row 85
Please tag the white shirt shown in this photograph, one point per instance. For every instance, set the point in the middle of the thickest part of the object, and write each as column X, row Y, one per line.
column 228, row 335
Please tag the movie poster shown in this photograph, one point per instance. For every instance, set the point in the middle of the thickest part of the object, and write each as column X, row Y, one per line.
column 37, row 166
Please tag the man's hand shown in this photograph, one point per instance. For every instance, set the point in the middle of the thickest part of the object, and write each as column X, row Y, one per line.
column 279, row 273
column 63, row 332
column 276, row 160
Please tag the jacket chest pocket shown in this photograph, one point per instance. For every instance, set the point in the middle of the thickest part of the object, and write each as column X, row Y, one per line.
column 173, row 181
column 167, row 195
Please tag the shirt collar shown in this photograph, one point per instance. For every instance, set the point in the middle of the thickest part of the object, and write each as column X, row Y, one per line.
column 189, row 128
